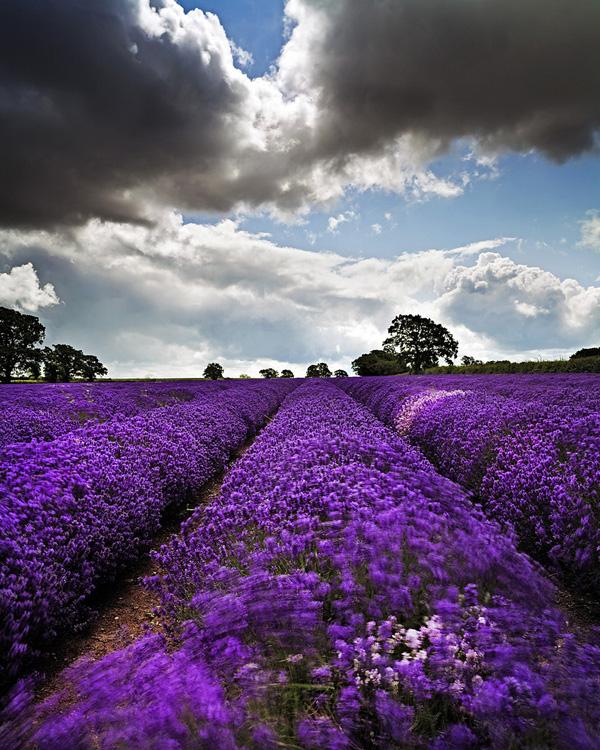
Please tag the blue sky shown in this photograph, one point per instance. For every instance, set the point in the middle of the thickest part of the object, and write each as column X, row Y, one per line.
column 532, row 199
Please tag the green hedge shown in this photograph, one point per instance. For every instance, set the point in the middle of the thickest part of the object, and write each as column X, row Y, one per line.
column 584, row 364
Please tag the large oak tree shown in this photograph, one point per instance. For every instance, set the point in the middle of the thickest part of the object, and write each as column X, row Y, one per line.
column 420, row 342
column 20, row 336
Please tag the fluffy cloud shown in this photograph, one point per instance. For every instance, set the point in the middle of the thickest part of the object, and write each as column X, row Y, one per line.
column 523, row 308
column 20, row 288
column 111, row 107
column 168, row 298
column 333, row 222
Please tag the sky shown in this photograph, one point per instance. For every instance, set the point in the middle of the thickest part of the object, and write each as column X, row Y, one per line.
column 267, row 184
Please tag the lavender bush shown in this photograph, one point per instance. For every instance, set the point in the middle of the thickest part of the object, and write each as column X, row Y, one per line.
column 339, row 593
column 526, row 446
column 75, row 510
column 46, row 411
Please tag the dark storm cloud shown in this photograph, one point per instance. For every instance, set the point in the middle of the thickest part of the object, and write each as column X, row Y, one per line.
column 94, row 102
column 515, row 74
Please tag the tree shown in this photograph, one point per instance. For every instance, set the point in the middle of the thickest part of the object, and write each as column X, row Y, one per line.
column 91, row 367
column 268, row 373
column 420, row 341
column 287, row 374
column 379, row 362
column 20, row 334
column 593, row 351
column 243, row 376
column 340, row 374
column 466, row 361
column 320, row 370
column 62, row 363
column 213, row 371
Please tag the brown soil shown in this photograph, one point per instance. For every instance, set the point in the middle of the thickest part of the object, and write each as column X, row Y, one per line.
column 126, row 609
column 581, row 612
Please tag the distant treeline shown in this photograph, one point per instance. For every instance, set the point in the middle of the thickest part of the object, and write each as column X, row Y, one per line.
column 575, row 364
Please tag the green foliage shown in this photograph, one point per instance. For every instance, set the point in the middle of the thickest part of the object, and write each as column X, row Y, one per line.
column 20, row 335
column 287, row 374
column 320, row 370
column 244, row 377
column 91, row 367
column 340, row 374
column 420, row 342
column 584, row 364
column 466, row 361
column 63, row 362
column 213, row 371
column 593, row 351
column 379, row 362
column 268, row 373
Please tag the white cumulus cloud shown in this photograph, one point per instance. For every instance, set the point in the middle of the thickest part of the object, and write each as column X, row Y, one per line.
column 521, row 307
column 167, row 297
column 20, row 288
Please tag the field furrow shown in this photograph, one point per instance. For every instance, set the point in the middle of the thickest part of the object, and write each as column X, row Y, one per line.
column 77, row 509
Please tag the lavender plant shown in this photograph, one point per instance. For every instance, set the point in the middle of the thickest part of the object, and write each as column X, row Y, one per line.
column 526, row 446
column 339, row 593
column 47, row 411
column 73, row 511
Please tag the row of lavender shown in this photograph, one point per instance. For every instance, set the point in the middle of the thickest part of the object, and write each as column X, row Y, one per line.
column 527, row 447
column 338, row 594
column 47, row 411
column 76, row 509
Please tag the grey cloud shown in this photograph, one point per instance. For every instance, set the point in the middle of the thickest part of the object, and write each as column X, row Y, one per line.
column 98, row 101
column 516, row 74
column 117, row 312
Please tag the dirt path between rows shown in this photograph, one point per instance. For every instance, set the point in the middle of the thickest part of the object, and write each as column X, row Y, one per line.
column 125, row 609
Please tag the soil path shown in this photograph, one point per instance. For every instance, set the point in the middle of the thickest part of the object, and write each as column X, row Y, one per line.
column 125, row 609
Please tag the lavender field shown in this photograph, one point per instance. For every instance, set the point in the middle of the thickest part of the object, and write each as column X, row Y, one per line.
column 384, row 565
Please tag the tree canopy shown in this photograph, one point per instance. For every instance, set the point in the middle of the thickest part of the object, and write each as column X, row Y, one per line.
column 287, row 374
column 320, row 370
column 466, row 360
column 20, row 336
column 379, row 362
column 593, row 351
column 213, row 371
column 268, row 373
column 91, row 367
column 420, row 342
column 63, row 362
column 340, row 374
